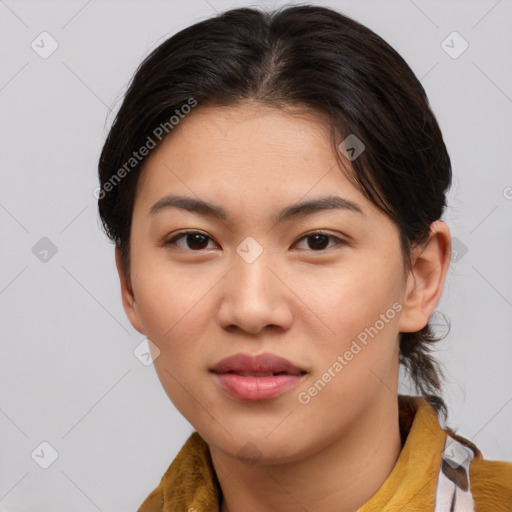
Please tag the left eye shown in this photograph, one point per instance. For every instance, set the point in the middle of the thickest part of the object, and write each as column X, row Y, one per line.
column 318, row 241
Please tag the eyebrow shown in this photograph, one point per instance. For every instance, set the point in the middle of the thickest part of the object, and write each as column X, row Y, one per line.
column 295, row 210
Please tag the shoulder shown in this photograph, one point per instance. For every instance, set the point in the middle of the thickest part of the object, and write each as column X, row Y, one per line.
column 190, row 479
column 491, row 484
column 154, row 502
column 490, row 480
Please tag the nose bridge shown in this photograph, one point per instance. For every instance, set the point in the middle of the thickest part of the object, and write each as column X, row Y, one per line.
column 252, row 275
column 253, row 271
column 253, row 296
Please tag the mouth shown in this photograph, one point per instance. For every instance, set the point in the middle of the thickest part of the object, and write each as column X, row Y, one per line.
column 261, row 374
column 263, row 377
column 262, row 365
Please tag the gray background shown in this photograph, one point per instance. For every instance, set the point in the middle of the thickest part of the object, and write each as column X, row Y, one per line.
column 68, row 374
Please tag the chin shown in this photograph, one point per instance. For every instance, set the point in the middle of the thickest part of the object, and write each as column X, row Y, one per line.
column 253, row 444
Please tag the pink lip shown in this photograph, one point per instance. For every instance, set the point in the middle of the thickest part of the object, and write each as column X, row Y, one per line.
column 256, row 387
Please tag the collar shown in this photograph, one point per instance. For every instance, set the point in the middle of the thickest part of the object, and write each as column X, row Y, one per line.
column 191, row 483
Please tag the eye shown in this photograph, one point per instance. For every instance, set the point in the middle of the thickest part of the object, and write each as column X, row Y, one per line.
column 197, row 241
column 318, row 241
column 193, row 240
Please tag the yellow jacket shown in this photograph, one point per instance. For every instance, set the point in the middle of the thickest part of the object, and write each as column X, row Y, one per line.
column 190, row 482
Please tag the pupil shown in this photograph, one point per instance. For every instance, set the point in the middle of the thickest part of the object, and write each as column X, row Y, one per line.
column 317, row 241
column 196, row 239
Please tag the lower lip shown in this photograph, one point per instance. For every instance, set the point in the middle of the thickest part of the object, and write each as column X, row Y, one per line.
column 256, row 388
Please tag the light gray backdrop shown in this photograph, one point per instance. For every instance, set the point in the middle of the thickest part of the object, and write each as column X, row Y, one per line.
column 68, row 374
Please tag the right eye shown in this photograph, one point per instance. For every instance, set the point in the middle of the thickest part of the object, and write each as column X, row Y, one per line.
column 193, row 241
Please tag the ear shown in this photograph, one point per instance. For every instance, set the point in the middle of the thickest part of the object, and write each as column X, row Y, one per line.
column 425, row 280
column 127, row 295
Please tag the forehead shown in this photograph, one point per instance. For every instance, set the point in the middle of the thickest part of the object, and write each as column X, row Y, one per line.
column 252, row 147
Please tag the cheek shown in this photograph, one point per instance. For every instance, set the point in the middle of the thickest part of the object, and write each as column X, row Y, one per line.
column 360, row 305
column 351, row 296
column 174, row 308
column 359, row 359
column 173, row 304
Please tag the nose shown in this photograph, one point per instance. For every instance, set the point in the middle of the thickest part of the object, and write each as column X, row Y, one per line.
column 255, row 297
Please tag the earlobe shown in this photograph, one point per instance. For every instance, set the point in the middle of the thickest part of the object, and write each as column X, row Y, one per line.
column 127, row 295
column 425, row 281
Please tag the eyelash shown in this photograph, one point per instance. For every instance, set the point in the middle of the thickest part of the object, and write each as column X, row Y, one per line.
column 172, row 241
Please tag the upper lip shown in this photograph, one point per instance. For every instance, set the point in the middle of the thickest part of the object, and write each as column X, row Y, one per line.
column 262, row 363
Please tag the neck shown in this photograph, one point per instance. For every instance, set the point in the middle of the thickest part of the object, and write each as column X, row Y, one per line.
column 342, row 476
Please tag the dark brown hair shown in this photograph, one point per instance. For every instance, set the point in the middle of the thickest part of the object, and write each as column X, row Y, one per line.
column 305, row 57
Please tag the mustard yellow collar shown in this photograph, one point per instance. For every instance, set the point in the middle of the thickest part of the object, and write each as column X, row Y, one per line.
column 191, row 483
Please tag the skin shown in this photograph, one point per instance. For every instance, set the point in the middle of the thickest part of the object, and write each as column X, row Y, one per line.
column 296, row 300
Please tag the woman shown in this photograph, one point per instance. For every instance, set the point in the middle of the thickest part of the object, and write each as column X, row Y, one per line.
column 274, row 185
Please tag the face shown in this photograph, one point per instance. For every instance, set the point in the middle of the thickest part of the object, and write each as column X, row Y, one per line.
column 319, row 286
